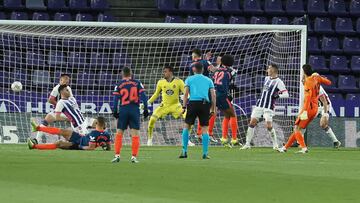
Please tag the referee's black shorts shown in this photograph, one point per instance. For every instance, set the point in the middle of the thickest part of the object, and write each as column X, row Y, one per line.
column 198, row 109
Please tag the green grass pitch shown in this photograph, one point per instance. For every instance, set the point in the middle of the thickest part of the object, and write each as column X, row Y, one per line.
column 258, row 175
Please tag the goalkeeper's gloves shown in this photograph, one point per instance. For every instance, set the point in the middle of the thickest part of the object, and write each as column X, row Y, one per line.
column 146, row 113
column 116, row 114
column 184, row 109
column 303, row 115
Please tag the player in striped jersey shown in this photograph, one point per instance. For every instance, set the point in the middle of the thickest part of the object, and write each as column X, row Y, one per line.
column 273, row 89
column 324, row 108
column 53, row 99
column 67, row 105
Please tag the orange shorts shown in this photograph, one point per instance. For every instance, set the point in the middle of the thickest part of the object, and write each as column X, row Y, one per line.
column 304, row 123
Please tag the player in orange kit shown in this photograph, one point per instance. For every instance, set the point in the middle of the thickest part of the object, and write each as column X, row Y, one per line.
column 312, row 82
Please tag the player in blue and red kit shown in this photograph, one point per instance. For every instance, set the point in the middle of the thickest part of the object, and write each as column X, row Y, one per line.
column 128, row 94
column 222, row 79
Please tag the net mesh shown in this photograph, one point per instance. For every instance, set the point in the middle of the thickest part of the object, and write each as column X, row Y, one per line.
column 36, row 55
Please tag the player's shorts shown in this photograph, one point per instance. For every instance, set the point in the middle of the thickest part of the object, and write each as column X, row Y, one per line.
column 198, row 109
column 223, row 103
column 304, row 123
column 259, row 112
column 129, row 116
column 75, row 139
column 175, row 110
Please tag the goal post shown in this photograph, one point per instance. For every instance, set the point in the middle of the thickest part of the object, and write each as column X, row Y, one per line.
column 93, row 54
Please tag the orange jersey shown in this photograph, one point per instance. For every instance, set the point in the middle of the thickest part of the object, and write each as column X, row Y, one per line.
column 311, row 89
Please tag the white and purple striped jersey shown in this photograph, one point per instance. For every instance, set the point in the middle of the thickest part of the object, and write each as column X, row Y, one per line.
column 72, row 111
column 273, row 88
column 55, row 92
column 322, row 92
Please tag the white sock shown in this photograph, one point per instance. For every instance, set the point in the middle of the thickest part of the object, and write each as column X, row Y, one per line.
column 331, row 134
column 273, row 137
column 249, row 135
column 39, row 136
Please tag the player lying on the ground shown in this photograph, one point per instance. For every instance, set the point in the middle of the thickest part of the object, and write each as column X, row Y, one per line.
column 68, row 106
column 222, row 78
column 273, row 89
column 170, row 88
column 198, row 87
column 94, row 139
column 324, row 108
column 128, row 94
column 53, row 99
column 312, row 82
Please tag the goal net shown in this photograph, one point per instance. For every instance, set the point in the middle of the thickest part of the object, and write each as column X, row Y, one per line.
column 93, row 54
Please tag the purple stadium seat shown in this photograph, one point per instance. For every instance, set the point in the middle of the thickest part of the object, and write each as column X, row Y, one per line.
column 258, row 20
column 295, row 7
column 316, row 7
column 62, row 17
column 351, row 45
column 347, row 83
column 355, row 64
column 40, row 16
column 323, row 25
column 337, row 8
column 166, row 6
column 13, row 4
column 99, row 60
column 194, row 19
column 280, row 21
column 56, row 58
column 252, row 7
column 188, row 6
column 35, row 5
column 108, row 78
column 237, row 20
column 40, row 77
column 344, row 26
column 330, row 45
column 231, row 7
column 84, row 17
column 105, row 17
column 99, row 5
column 318, row 63
column 351, row 101
column 299, row 21
column 12, row 59
column 313, row 45
column 339, row 64
column 56, row 5
column 358, row 25
column 337, row 101
column 209, row 6
column 333, row 86
column 85, row 78
column 273, row 7
column 243, row 81
column 77, row 5
column 355, row 7
column 19, row 16
column 2, row 16
column 35, row 58
column 173, row 19
column 216, row 20
column 120, row 60
column 77, row 59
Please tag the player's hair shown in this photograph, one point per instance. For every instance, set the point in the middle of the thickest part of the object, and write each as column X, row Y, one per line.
column 61, row 87
column 307, row 69
column 170, row 68
column 101, row 121
column 126, row 71
column 198, row 67
column 275, row 67
column 227, row 60
column 221, row 55
column 64, row 75
column 197, row 52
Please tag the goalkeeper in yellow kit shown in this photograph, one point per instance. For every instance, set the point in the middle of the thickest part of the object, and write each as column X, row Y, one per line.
column 170, row 88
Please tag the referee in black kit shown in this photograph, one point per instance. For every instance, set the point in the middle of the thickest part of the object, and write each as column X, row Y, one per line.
column 200, row 105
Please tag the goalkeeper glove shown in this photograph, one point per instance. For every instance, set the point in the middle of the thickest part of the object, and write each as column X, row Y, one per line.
column 303, row 115
column 116, row 114
column 146, row 113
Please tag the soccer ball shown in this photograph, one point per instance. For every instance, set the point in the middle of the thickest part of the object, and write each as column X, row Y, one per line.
column 16, row 86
